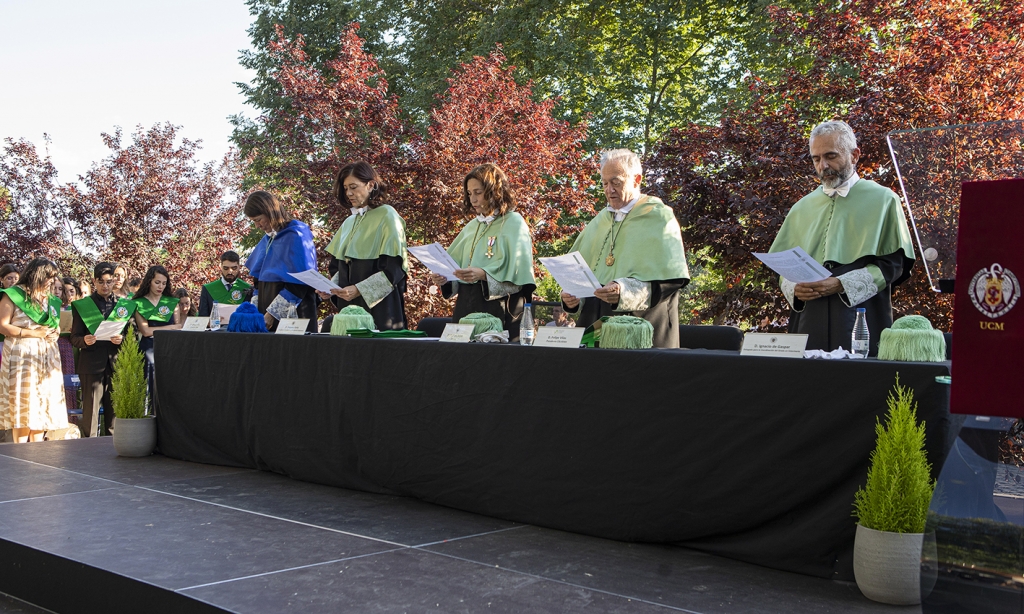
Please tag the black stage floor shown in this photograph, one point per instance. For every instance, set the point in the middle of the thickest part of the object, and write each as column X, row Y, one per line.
column 84, row 530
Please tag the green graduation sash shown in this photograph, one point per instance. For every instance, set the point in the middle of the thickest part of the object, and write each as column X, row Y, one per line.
column 163, row 311
column 221, row 295
column 48, row 316
column 92, row 316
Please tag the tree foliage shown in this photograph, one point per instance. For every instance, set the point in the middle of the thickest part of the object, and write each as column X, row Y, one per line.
column 881, row 66
column 344, row 112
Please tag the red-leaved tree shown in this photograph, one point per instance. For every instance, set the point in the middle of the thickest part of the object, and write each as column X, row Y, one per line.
column 35, row 219
column 151, row 202
column 879, row 65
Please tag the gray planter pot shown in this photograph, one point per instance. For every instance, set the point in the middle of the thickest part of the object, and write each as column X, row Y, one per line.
column 135, row 436
column 887, row 566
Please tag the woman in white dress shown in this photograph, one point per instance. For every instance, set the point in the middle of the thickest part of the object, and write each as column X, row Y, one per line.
column 31, row 381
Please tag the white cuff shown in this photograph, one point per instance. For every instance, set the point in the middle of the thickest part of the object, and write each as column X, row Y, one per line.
column 281, row 308
column 374, row 288
column 858, row 286
column 788, row 290
column 634, row 295
column 500, row 289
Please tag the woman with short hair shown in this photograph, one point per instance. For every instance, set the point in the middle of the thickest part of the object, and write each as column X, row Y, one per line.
column 31, row 382
column 368, row 253
column 495, row 251
column 287, row 247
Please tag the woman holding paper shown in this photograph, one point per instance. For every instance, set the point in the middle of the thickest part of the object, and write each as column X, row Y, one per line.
column 286, row 248
column 368, row 253
column 495, row 251
column 31, row 382
column 156, row 307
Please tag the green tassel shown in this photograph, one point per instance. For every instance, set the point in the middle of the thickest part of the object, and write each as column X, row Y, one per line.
column 627, row 333
column 912, row 339
column 351, row 318
column 482, row 323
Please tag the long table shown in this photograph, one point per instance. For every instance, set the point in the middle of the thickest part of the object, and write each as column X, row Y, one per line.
column 752, row 458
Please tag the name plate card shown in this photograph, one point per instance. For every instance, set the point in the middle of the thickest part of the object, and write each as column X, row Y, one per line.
column 457, row 333
column 292, row 326
column 195, row 324
column 773, row 344
column 559, row 337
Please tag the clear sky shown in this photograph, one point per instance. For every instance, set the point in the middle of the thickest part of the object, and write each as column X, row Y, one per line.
column 76, row 68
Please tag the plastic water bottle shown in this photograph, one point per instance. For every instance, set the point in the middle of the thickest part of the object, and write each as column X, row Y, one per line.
column 215, row 317
column 861, row 341
column 526, row 330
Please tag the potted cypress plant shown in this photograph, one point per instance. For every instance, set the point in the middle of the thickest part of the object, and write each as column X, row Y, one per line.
column 134, row 431
column 892, row 507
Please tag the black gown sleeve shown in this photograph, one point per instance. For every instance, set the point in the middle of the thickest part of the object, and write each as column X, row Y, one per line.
column 205, row 303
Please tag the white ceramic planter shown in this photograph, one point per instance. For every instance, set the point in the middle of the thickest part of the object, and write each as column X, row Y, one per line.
column 887, row 566
column 135, row 437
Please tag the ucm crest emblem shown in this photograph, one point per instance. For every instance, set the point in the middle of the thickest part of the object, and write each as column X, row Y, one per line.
column 994, row 291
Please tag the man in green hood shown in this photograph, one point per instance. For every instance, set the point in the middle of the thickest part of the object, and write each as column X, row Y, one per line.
column 856, row 229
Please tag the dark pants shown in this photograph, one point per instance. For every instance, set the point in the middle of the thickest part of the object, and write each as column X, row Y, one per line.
column 95, row 394
column 146, row 346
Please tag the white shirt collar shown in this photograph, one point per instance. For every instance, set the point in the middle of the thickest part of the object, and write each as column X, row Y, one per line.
column 485, row 219
column 620, row 214
column 842, row 189
column 359, row 210
column 226, row 284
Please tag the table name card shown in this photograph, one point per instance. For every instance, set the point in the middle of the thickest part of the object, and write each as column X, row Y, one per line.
column 559, row 337
column 457, row 333
column 773, row 344
column 195, row 324
column 292, row 326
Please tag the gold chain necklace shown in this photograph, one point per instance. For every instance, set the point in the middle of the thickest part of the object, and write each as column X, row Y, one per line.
column 610, row 260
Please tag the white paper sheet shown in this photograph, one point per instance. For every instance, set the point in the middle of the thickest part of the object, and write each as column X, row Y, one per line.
column 573, row 274
column 108, row 329
column 795, row 265
column 315, row 280
column 195, row 323
column 437, row 259
column 225, row 312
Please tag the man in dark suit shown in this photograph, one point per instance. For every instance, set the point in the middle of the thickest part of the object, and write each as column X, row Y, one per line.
column 96, row 359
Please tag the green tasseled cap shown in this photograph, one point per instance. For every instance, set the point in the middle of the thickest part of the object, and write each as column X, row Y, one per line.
column 912, row 339
column 351, row 318
column 627, row 333
column 482, row 323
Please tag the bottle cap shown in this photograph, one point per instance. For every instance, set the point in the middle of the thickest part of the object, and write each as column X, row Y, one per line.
column 529, row 304
column 861, row 310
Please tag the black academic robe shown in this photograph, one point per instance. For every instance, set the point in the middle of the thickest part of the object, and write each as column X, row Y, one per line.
column 828, row 322
column 268, row 291
column 472, row 298
column 389, row 313
column 663, row 314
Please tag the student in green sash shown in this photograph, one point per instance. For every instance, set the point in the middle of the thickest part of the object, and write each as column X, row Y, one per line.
column 856, row 229
column 495, row 251
column 635, row 249
column 369, row 259
column 156, row 307
column 31, row 380
column 96, row 356
column 229, row 289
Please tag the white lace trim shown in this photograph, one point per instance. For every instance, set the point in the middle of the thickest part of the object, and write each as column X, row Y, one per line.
column 634, row 295
column 500, row 289
column 374, row 288
column 858, row 286
column 788, row 290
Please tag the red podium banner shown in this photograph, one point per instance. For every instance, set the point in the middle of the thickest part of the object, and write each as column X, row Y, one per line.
column 988, row 322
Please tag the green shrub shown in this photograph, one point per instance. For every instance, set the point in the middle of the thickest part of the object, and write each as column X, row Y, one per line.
column 899, row 486
column 128, row 383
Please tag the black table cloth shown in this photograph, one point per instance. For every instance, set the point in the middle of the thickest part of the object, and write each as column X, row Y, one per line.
column 752, row 458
